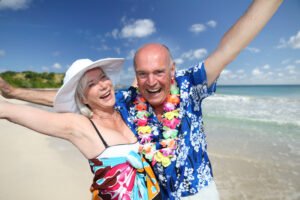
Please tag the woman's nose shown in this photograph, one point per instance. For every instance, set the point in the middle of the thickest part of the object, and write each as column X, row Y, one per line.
column 102, row 84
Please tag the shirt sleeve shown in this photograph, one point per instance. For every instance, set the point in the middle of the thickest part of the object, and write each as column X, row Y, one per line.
column 125, row 97
column 198, row 80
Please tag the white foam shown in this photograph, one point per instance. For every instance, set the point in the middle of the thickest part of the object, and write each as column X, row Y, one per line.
column 280, row 110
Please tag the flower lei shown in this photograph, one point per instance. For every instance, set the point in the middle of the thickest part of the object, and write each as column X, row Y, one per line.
column 170, row 121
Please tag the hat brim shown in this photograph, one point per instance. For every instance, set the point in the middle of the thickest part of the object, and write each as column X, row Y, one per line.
column 65, row 98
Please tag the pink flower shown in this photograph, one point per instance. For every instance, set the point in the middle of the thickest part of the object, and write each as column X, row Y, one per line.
column 171, row 123
column 167, row 151
column 145, row 138
column 169, row 106
column 142, row 122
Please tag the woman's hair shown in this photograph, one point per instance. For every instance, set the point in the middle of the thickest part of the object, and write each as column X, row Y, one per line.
column 80, row 96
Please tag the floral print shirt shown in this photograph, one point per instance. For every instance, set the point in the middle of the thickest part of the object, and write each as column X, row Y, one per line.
column 190, row 170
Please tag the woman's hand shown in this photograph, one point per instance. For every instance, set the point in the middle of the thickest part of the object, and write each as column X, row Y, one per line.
column 6, row 89
column 3, row 105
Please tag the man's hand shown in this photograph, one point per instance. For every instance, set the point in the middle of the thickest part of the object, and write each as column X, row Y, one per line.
column 239, row 36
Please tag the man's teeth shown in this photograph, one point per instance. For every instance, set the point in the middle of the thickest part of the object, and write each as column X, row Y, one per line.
column 154, row 91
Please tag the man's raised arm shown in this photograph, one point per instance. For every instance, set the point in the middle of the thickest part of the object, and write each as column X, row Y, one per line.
column 42, row 97
column 239, row 36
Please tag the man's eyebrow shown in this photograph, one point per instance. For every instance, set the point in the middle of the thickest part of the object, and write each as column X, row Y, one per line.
column 139, row 71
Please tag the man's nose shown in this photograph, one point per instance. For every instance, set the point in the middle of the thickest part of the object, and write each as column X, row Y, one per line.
column 151, row 80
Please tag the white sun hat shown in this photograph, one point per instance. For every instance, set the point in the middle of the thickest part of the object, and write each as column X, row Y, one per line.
column 65, row 98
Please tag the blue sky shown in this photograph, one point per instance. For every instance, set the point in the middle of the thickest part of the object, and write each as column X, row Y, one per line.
column 42, row 35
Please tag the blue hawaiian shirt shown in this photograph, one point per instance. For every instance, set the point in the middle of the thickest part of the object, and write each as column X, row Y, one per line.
column 191, row 170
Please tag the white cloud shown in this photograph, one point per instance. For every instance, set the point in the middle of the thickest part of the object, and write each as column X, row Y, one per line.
column 14, row 4
column 130, row 54
column 179, row 61
column 194, row 54
column 104, row 47
column 228, row 75
column 266, row 66
column 115, row 33
column 292, row 72
column 297, row 61
column 225, row 72
column 117, row 50
column 253, row 49
column 240, row 71
column 127, row 76
column 282, row 44
column 290, row 67
column 197, row 28
column 44, row 68
column 200, row 53
column 270, row 73
column 212, row 23
column 138, row 29
column 265, row 74
column 293, row 42
column 286, row 61
column 56, row 66
column 225, row 75
column 2, row 53
column 256, row 72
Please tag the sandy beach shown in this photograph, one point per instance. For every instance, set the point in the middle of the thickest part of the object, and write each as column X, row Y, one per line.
column 253, row 166
column 35, row 166
column 247, row 164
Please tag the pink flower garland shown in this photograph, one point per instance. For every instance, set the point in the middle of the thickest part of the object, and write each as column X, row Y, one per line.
column 170, row 120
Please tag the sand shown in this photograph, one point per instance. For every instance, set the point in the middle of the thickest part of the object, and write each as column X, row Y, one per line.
column 35, row 166
column 249, row 164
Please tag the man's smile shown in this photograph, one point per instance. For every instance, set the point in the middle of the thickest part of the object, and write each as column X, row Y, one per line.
column 154, row 91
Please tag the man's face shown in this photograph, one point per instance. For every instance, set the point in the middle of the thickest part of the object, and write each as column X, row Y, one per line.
column 154, row 72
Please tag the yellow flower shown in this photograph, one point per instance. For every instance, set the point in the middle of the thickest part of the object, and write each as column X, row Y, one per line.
column 144, row 129
column 158, row 156
column 165, row 160
column 171, row 115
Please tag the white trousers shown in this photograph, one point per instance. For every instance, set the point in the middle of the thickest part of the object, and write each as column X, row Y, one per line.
column 208, row 193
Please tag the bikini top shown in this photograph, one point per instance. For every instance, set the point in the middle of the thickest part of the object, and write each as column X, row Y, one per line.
column 102, row 139
column 115, row 150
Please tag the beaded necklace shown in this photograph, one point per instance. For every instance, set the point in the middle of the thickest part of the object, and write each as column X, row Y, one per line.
column 170, row 121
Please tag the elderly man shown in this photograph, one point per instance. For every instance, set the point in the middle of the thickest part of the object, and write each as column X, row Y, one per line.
column 165, row 111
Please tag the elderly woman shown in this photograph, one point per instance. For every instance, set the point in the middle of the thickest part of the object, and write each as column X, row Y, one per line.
column 98, row 131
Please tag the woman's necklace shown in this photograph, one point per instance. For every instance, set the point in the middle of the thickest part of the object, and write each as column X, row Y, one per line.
column 170, row 121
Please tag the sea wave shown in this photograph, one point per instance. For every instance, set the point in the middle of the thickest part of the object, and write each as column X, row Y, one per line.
column 280, row 110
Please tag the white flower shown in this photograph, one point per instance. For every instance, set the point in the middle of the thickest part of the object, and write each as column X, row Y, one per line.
column 184, row 85
column 126, row 94
column 195, row 141
column 182, row 155
column 188, row 173
column 184, row 96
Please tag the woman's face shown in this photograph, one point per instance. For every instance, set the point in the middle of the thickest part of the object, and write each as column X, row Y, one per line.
column 99, row 92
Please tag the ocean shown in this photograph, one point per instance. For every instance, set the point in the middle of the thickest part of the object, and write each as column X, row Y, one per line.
column 257, row 127
column 272, row 105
